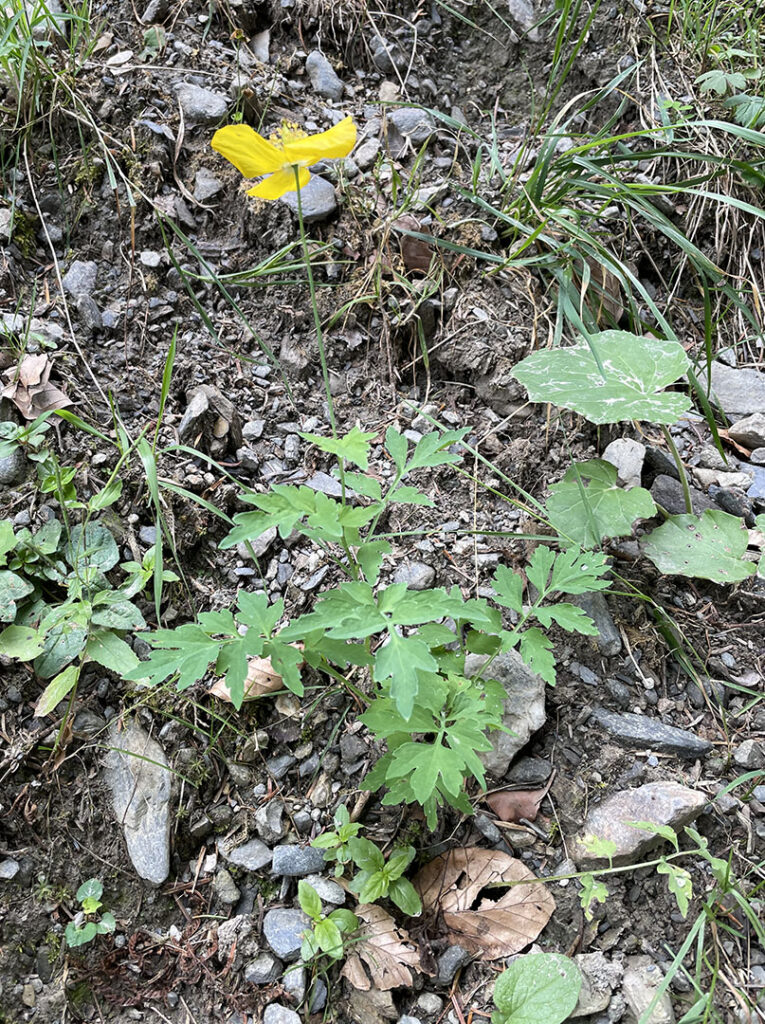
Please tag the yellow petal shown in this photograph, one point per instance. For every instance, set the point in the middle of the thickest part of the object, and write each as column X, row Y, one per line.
column 338, row 141
column 249, row 152
column 279, row 183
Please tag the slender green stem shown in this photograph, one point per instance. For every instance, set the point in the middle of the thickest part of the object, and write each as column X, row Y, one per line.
column 680, row 468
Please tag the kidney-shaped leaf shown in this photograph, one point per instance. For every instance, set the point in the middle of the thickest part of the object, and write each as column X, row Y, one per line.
column 453, row 883
column 707, row 547
column 635, row 371
column 541, row 988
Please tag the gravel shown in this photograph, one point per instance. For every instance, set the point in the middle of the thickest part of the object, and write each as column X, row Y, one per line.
column 297, row 861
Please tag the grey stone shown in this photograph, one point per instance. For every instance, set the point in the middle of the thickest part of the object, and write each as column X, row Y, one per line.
column 225, row 888
column 80, row 279
column 200, row 827
column 252, row 856
column 201, row 106
column 386, row 56
column 260, row 44
column 89, row 313
column 263, row 970
column 279, row 766
column 533, row 771
column 449, row 963
column 638, row 732
column 137, row 776
column 13, row 468
column 406, row 1019
column 148, row 535
column 758, row 456
column 411, row 124
column 317, row 198
column 608, row 640
column 739, row 392
column 294, row 982
column 318, row 996
column 294, row 358
column 430, row 1003
column 713, row 689
column 297, row 861
column 88, row 723
column 662, row 803
column 757, row 489
column 259, row 545
column 524, row 709
column 46, row 19
column 525, row 16
column 269, row 821
column 253, row 430
column 9, row 868
column 750, row 755
column 416, row 575
column 283, row 929
column 628, row 456
column 323, row 78
column 303, row 821
column 488, row 829
column 328, row 891
column 642, row 977
column 352, row 748
column 668, row 492
column 275, row 1013
column 600, row 977
column 326, row 484
column 366, row 154
column 206, row 185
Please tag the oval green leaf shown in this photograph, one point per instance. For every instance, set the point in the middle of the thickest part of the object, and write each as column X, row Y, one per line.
column 540, row 988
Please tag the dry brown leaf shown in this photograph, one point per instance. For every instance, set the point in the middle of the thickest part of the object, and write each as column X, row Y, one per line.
column 606, row 293
column 452, row 883
column 515, row 804
column 415, row 252
column 261, row 679
column 29, row 389
column 385, row 949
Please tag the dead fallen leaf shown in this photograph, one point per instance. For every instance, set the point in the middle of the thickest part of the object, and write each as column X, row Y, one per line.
column 515, row 804
column 385, row 949
column 29, row 389
column 415, row 252
column 451, row 884
column 606, row 293
column 261, row 679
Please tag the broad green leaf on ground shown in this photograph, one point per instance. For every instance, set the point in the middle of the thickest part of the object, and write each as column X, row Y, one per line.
column 354, row 447
column 593, row 891
column 118, row 615
column 679, row 882
column 56, row 690
column 568, row 616
column 432, row 449
column 370, row 558
column 536, row 649
column 187, row 651
column 707, row 547
column 577, row 572
column 425, row 765
column 399, row 660
column 7, row 539
column 12, row 589
column 63, row 642
column 22, row 642
column 107, row 649
column 92, row 545
column 635, row 370
column 539, row 988
column 588, row 505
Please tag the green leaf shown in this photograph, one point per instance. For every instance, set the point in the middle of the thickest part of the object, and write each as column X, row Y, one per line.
column 679, row 882
column 118, row 615
column 423, row 765
column 406, row 495
column 21, row 642
column 568, row 616
column 399, row 861
column 397, row 446
column 56, row 690
column 431, row 450
column 107, row 924
column 405, row 896
column 79, row 936
column 597, row 847
column 399, row 660
column 366, row 855
column 345, row 920
column 509, row 588
column 588, row 505
column 90, row 905
column 12, row 589
column 309, row 900
column 370, row 557
column 579, row 572
column 7, row 538
column 106, row 496
column 63, row 642
column 539, row 988
column 540, row 565
column 187, row 651
column 593, row 891
column 536, row 650
column 107, row 649
column 627, row 385
column 256, row 612
column 329, row 938
column 665, row 831
column 91, row 546
column 709, row 547
column 369, row 886
column 366, row 486
column 354, row 447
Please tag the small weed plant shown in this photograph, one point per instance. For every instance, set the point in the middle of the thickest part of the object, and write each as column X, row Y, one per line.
column 89, row 921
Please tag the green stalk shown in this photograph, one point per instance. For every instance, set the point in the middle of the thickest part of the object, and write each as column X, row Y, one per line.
column 680, row 469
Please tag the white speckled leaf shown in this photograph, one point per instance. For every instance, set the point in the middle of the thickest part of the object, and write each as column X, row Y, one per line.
column 635, row 372
column 706, row 547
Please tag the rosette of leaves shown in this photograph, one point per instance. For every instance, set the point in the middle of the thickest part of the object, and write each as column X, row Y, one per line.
column 80, row 931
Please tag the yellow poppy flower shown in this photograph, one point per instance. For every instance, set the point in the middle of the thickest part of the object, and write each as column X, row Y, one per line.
column 253, row 155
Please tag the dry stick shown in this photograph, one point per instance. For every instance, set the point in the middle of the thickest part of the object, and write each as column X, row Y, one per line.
column 57, row 270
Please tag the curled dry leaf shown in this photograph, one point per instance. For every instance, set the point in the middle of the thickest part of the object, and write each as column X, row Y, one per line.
column 452, row 883
column 261, row 679
column 27, row 386
column 517, row 804
column 385, row 949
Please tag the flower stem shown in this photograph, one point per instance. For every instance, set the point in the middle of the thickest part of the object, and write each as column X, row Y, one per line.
column 680, row 469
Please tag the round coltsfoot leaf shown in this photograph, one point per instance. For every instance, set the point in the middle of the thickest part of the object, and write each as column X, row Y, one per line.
column 540, row 988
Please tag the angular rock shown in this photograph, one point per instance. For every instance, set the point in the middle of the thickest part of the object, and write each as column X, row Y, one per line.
column 641, row 979
column 328, row 891
column 608, row 640
column 524, row 709
column 749, row 755
column 416, row 575
column 409, row 124
column 366, row 154
column 13, row 468
column 260, row 45
column 201, row 106
column 89, row 313
column 628, row 456
column 668, row 492
column 449, row 963
column 323, row 78
column 80, row 279
column 638, row 732
column 268, row 821
column 600, row 977
column 661, row 803
column 9, row 868
column 317, row 197
column 137, row 776
column 206, row 185
column 297, row 861
column 225, row 888
column 263, row 970
column 283, row 929
column 252, row 856
column 294, row 982
column 739, row 392
column 275, row 1013
column 210, row 422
